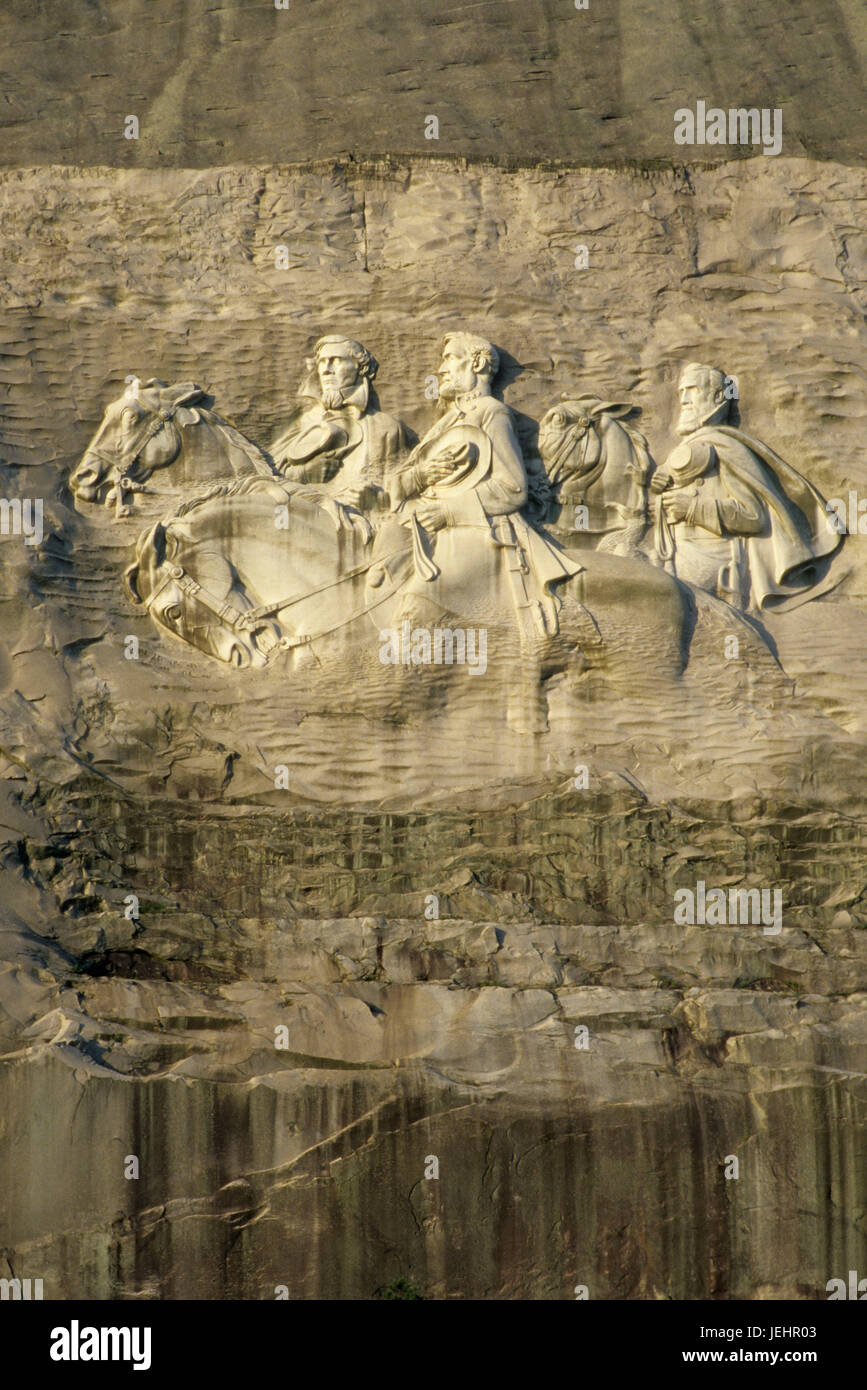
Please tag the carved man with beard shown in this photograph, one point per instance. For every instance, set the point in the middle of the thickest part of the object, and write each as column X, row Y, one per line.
column 338, row 438
column 733, row 517
column 465, row 486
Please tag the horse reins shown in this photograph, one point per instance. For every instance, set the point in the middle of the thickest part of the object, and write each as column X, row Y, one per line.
column 120, row 468
column 244, row 621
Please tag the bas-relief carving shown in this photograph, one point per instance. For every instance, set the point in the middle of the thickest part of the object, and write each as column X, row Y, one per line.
column 598, row 465
column 344, row 528
column 338, row 437
column 155, row 430
column 462, row 492
column 731, row 516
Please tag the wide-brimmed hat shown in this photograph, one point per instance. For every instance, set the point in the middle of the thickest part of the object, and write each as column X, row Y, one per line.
column 319, row 437
column 468, row 474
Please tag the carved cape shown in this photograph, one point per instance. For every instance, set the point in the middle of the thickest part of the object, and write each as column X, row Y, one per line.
column 792, row 535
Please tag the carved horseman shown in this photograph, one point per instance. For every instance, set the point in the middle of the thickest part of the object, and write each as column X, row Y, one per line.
column 463, row 489
column 338, row 438
column 732, row 517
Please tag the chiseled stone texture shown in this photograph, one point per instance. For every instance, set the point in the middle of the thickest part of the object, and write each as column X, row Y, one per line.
column 409, row 1037
column 760, row 267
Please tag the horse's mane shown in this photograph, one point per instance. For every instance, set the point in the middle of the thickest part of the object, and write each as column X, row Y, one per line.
column 641, row 449
column 258, row 458
column 224, row 489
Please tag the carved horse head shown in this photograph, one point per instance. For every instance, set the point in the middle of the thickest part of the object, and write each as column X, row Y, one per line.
column 159, row 581
column 139, row 433
column 146, row 430
column 599, row 466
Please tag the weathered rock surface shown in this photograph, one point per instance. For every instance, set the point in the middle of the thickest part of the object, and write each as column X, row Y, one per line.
column 173, row 273
column 408, row 1037
column 528, row 80
column 303, row 1165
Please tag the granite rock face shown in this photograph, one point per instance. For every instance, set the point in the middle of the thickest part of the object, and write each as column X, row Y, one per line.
column 174, row 274
column 433, row 911
column 539, row 79
column 285, row 1081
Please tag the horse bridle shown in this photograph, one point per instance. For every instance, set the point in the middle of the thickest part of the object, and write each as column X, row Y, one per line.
column 192, row 588
column 119, row 469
